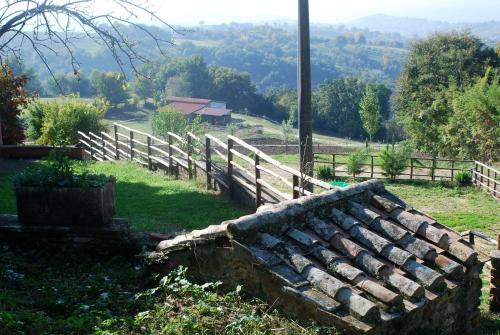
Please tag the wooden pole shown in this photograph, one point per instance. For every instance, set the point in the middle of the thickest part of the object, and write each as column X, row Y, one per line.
column 170, row 151
column 304, row 92
column 452, row 170
column 258, row 186
column 117, row 153
column 333, row 163
column 371, row 174
column 131, row 145
column 208, row 163
column 103, row 147
column 296, row 193
column 230, row 145
column 411, row 168
column 433, row 169
column 91, row 147
column 190, row 167
column 150, row 163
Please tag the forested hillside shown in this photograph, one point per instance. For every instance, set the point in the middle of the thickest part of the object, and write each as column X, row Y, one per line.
column 267, row 53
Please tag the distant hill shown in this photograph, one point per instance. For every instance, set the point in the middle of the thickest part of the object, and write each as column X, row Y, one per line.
column 414, row 27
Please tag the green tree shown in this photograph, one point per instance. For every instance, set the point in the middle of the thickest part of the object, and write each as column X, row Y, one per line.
column 110, row 85
column 13, row 98
column 178, row 86
column 32, row 117
column 356, row 161
column 473, row 131
column 422, row 102
column 336, row 105
column 168, row 119
column 369, row 112
column 235, row 88
column 395, row 159
column 143, row 87
column 70, row 84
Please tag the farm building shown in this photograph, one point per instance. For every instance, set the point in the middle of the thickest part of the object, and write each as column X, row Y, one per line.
column 213, row 112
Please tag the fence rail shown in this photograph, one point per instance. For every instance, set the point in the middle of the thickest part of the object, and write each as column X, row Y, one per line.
column 417, row 168
column 266, row 179
column 486, row 178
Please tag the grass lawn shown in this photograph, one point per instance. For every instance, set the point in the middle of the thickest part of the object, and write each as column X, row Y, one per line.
column 151, row 201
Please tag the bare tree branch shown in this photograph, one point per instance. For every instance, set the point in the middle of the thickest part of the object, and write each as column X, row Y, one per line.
column 47, row 24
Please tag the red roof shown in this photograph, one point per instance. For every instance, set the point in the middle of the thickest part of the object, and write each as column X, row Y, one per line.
column 214, row 111
column 187, row 108
column 188, row 100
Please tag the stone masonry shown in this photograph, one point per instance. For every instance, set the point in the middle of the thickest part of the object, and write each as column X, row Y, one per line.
column 359, row 259
column 495, row 282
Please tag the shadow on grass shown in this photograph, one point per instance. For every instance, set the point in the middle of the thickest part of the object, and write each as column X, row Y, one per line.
column 128, row 113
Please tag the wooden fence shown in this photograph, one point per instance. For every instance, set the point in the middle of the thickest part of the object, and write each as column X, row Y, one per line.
column 267, row 180
column 416, row 169
column 486, row 178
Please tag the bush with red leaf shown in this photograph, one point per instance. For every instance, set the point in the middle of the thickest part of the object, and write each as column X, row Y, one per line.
column 13, row 98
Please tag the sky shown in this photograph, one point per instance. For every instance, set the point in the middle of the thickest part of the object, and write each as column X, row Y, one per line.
column 189, row 12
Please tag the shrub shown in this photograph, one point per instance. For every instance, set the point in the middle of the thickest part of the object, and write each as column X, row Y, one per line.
column 324, row 172
column 394, row 160
column 463, row 178
column 168, row 119
column 57, row 171
column 63, row 119
column 32, row 117
column 355, row 162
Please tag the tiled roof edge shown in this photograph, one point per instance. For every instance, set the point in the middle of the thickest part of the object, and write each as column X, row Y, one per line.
column 247, row 225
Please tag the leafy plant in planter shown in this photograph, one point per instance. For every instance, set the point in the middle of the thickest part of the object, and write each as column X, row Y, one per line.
column 52, row 193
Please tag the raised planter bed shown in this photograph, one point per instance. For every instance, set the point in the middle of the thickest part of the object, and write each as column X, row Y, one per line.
column 66, row 206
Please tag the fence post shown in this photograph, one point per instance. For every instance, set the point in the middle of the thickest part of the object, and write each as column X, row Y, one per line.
column 296, row 193
column 117, row 153
column 474, row 173
column 488, row 175
column 482, row 174
column 433, row 171
column 495, row 188
column 371, row 175
column 91, row 147
column 411, row 168
column 170, row 160
column 131, row 145
column 452, row 170
column 208, row 163
column 333, row 165
column 258, row 186
column 150, row 165
column 103, row 147
column 230, row 144
column 190, row 167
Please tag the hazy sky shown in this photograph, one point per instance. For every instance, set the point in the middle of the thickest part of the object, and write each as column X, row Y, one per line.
column 324, row 11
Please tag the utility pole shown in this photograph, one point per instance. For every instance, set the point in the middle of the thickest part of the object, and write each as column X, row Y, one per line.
column 304, row 91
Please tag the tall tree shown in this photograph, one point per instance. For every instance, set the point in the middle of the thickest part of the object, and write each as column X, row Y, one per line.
column 473, row 131
column 434, row 64
column 337, row 107
column 236, row 88
column 110, row 85
column 369, row 112
column 13, row 97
